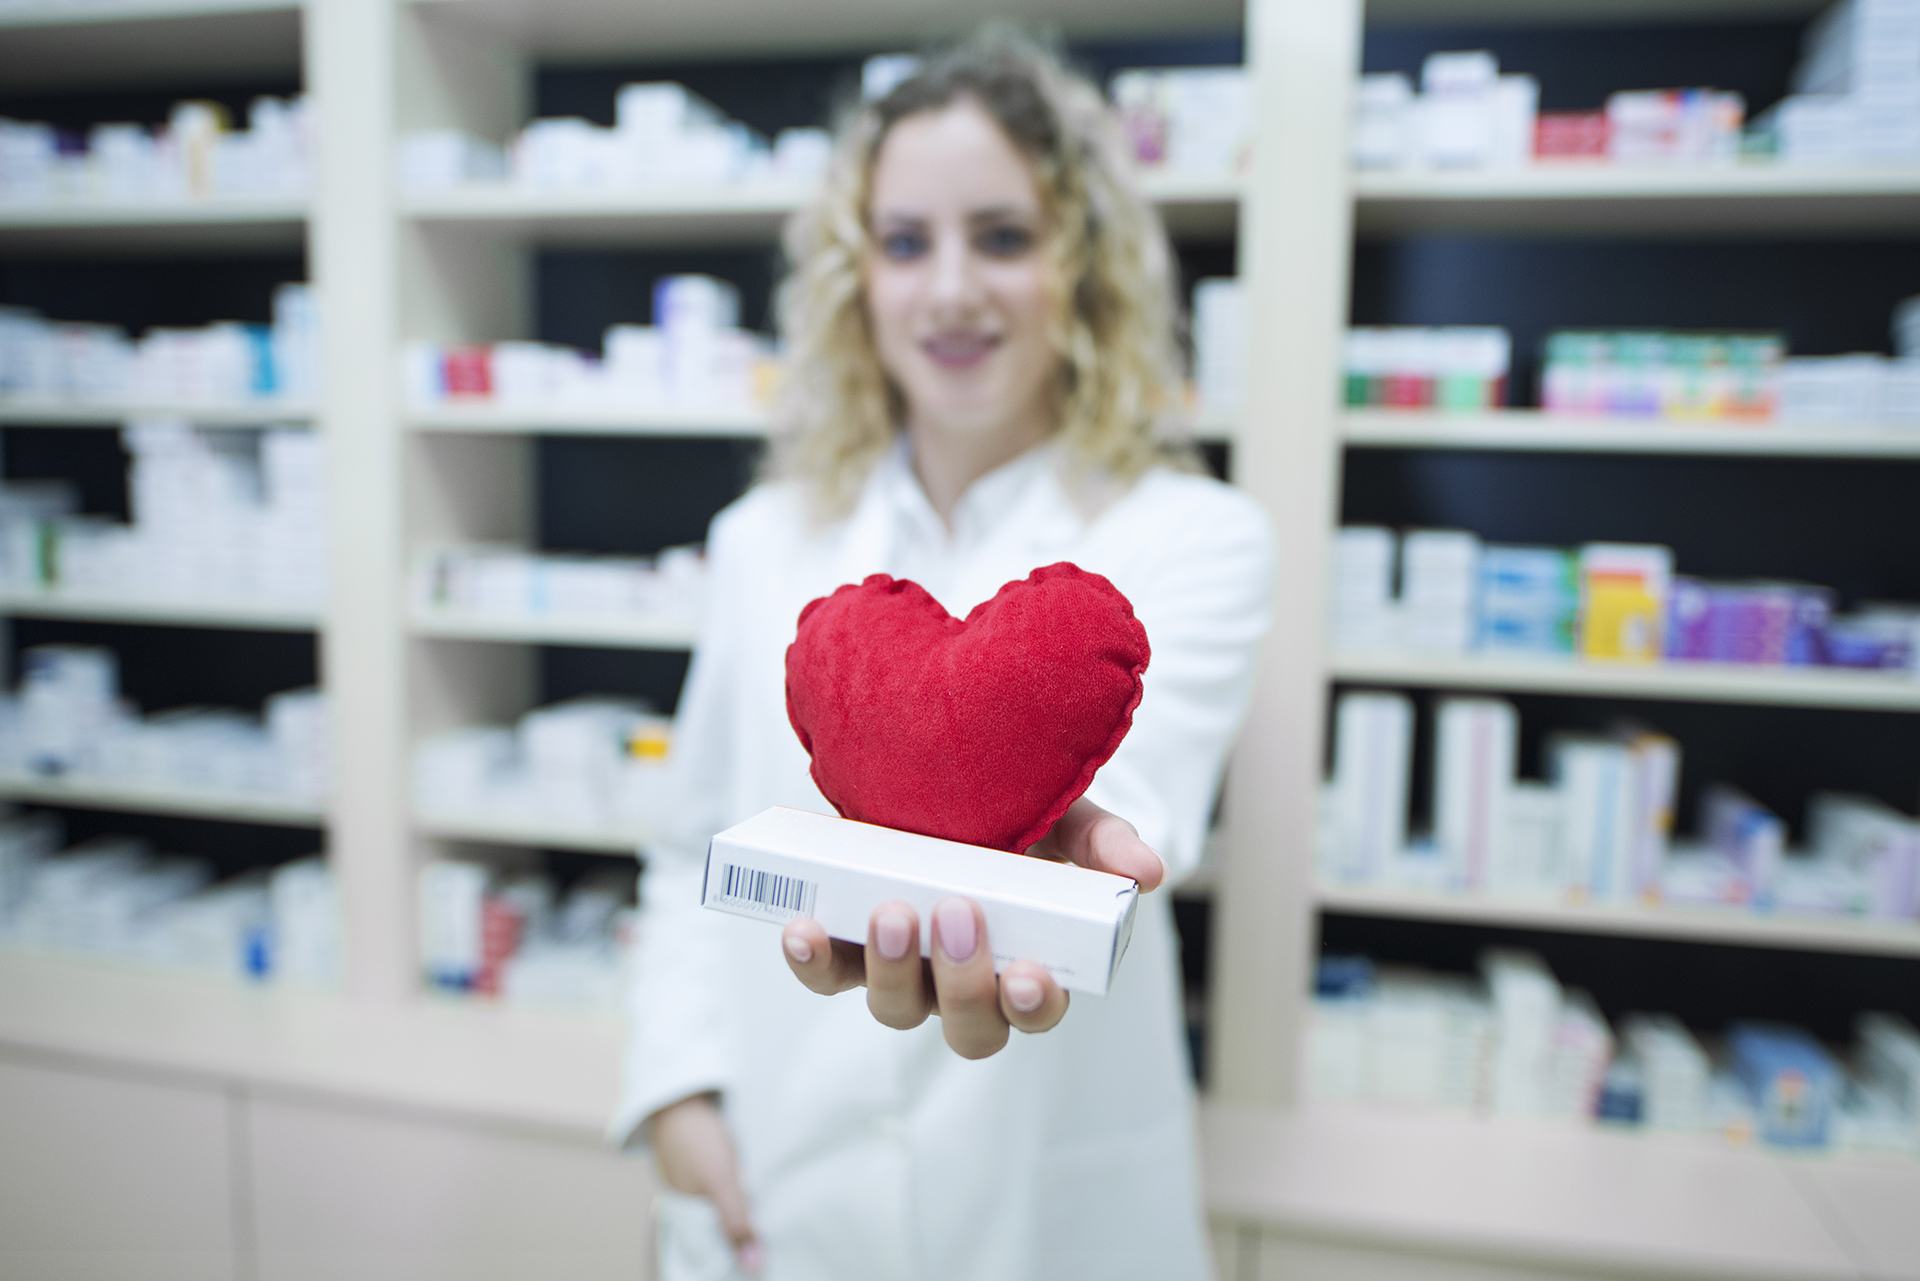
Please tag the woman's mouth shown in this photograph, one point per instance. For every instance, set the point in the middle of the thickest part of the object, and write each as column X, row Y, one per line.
column 959, row 350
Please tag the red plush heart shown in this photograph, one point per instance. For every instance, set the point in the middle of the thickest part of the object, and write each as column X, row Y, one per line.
column 981, row 731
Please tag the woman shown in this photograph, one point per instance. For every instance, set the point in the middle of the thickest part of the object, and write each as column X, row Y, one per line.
column 980, row 320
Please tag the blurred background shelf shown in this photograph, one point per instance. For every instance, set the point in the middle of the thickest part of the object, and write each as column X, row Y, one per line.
column 1524, row 429
column 1534, row 1199
column 611, row 633
column 1681, row 682
column 15, row 411
column 120, row 609
column 698, row 214
column 1730, row 925
column 1606, row 199
column 194, row 802
column 536, row 835
column 73, row 44
column 217, row 225
column 484, row 418
column 486, row 1060
column 576, row 31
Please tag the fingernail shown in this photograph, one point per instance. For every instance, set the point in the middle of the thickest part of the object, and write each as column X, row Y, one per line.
column 1024, row 994
column 799, row 949
column 955, row 919
column 891, row 934
column 750, row 1259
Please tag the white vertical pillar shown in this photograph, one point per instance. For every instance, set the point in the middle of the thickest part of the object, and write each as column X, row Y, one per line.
column 350, row 72
column 1296, row 226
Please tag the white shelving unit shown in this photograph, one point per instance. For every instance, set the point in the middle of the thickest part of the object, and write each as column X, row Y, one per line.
column 1531, row 430
column 1682, row 682
column 223, row 225
column 613, row 631
column 146, row 798
column 160, row 611
column 530, row 834
column 1729, row 925
column 1765, row 199
column 725, row 213
column 25, row 411
column 480, row 418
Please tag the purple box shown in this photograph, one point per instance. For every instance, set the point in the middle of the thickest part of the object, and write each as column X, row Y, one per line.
column 1688, row 602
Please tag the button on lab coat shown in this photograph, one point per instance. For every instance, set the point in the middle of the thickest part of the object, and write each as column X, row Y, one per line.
column 874, row 1153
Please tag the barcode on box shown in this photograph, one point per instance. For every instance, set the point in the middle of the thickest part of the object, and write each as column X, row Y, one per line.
column 765, row 893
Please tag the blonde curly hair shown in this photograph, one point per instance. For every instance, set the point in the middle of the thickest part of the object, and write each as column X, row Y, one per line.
column 1120, row 389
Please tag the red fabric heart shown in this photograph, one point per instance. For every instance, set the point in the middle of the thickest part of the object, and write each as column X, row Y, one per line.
column 983, row 730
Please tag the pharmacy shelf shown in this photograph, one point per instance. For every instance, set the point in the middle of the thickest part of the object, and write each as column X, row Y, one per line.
column 483, row 419
column 76, row 44
column 458, row 1056
column 708, row 214
column 137, row 798
column 166, row 613
column 1540, row 13
column 223, row 224
column 1614, row 200
column 1700, row 925
column 1417, row 1193
column 602, row 29
column 1532, row 430
column 608, row 632
column 527, row 833
column 23, row 412
column 1673, row 682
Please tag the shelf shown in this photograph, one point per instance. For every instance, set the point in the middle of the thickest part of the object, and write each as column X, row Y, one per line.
column 599, row 632
column 1700, row 925
column 226, row 224
column 458, row 1056
column 1532, row 430
column 1552, row 1199
column 164, row 613
column 486, row 418
column 1616, row 200
column 534, row 835
column 74, row 44
column 1539, row 13
column 147, row 798
column 724, row 213
column 1674, row 682
column 20, row 412
column 581, row 30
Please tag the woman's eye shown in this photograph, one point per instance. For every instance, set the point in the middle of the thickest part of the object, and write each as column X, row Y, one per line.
column 1005, row 242
column 903, row 245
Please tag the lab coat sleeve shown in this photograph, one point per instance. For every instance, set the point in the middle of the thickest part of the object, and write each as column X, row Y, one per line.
column 676, row 1037
column 1201, row 580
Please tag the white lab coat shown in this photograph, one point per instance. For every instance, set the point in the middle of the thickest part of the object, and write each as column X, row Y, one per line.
column 874, row 1153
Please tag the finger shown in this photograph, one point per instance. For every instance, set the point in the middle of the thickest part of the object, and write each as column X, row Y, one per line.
column 730, row 1200
column 827, row 966
column 966, row 990
column 1094, row 838
column 1029, row 997
column 897, row 991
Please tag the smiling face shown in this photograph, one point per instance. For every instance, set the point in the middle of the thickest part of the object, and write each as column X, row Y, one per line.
column 958, row 287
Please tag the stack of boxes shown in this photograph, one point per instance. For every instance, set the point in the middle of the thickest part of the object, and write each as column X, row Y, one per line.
column 196, row 154
column 69, row 721
column 1189, row 121
column 1512, row 1042
column 1606, row 602
column 517, row 939
column 586, row 764
column 1599, row 830
column 1466, row 116
column 114, row 897
column 1856, row 89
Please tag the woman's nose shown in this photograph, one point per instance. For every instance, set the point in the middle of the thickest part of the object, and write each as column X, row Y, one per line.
column 955, row 278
